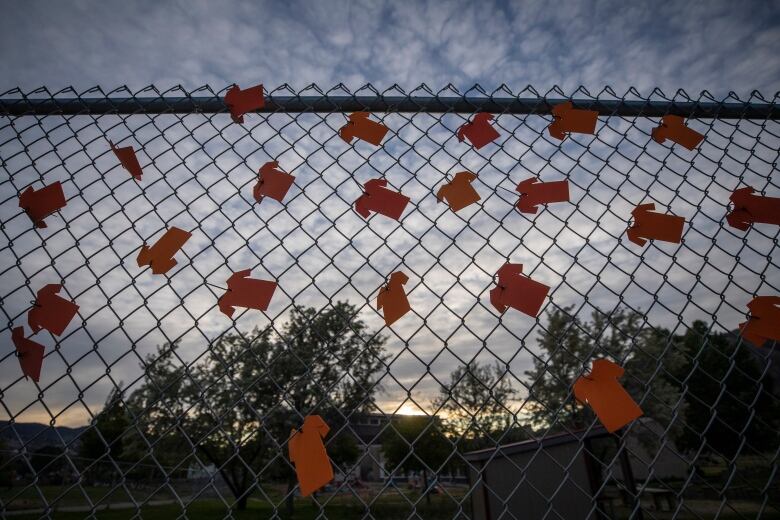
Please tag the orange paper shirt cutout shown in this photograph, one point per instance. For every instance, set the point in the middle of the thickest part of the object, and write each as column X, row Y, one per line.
column 654, row 226
column 246, row 292
column 362, row 127
column 459, row 192
column 30, row 354
column 160, row 255
column 517, row 291
column 673, row 127
column 532, row 193
column 307, row 452
column 392, row 298
column 41, row 203
column 50, row 311
column 128, row 159
column 606, row 396
column 239, row 102
column 567, row 119
column 479, row 131
column 272, row 182
column 381, row 200
column 752, row 209
column 764, row 322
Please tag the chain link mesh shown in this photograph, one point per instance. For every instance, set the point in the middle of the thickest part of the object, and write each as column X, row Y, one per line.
column 454, row 411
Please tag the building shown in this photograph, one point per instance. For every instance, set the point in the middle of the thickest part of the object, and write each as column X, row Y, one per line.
column 568, row 475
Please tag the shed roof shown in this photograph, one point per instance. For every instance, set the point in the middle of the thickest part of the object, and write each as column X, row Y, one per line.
column 543, row 442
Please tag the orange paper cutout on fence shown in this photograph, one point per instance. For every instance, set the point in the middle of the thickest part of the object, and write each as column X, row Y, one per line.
column 381, row 200
column 160, row 255
column 30, row 354
column 752, row 209
column 517, row 291
column 459, row 192
column 764, row 322
column 362, row 127
column 479, row 131
column 128, row 159
column 41, row 203
column 50, row 311
column 246, row 292
column 392, row 299
column 272, row 182
column 606, row 396
column 654, row 226
column 532, row 193
column 239, row 102
column 568, row 119
column 307, row 452
column 673, row 127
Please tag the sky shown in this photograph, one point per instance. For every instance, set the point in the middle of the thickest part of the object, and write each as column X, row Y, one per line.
column 199, row 170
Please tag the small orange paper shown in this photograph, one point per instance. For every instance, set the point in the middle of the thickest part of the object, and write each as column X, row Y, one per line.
column 246, row 292
column 51, row 311
column 392, row 298
column 478, row 131
column 379, row 199
column 752, row 209
column 606, row 396
column 129, row 161
column 307, row 452
column 239, row 102
column 654, row 226
column 764, row 322
column 459, row 192
column 517, row 291
column 567, row 119
column 160, row 255
column 30, row 354
column 42, row 203
column 362, row 127
column 532, row 193
column 673, row 127
column 272, row 182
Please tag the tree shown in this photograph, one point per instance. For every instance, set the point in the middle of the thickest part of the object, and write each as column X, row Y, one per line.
column 568, row 346
column 417, row 443
column 476, row 403
column 105, row 438
column 727, row 396
column 235, row 407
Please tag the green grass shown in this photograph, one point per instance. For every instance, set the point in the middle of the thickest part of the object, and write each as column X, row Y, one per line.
column 30, row 498
column 441, row 508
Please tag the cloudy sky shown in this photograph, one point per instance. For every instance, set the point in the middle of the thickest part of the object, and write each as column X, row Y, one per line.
column 199, row 170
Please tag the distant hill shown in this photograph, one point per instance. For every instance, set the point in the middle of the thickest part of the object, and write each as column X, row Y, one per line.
column 35, row 435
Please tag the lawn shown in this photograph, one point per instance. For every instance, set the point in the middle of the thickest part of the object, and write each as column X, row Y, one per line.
column 384, row 508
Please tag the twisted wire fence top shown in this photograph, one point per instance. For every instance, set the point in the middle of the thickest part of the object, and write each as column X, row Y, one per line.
column 198, row 173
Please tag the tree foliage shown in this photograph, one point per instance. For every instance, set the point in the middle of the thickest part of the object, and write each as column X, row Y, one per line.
column 476, row 403
column 235, row 407
column 566, row 349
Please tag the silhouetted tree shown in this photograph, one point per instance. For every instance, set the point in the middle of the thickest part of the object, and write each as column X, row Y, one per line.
column 728, row 396
column 476, row 404
column 236, row 406
column 417, row 443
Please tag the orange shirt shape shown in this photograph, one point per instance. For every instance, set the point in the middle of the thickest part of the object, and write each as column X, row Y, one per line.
column 308, row 454
column 392, row 298
column 51, row 312
column 605, row 395
column 459, row 192
column 764, row 322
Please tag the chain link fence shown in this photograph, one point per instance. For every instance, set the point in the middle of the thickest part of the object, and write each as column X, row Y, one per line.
column 153, row 403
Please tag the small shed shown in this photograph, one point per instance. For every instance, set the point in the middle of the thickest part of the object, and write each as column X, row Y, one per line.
column 562, row 476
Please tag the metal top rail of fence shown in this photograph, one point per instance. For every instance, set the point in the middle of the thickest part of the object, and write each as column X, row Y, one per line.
column 455, row 410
